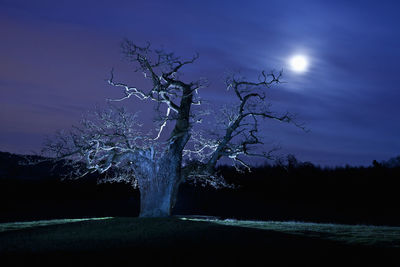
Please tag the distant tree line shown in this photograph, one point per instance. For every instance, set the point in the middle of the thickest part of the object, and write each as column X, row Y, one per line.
column 294, row 190
column 287, row 190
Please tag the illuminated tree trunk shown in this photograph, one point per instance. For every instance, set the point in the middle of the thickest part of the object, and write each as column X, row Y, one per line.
column 158, row 193
column 158, row 196
column 155, row 201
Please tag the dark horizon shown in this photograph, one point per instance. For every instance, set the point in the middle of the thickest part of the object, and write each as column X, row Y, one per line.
column 55, row 58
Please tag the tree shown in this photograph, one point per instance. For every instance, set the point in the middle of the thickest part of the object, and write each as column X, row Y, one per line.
column 111, row 141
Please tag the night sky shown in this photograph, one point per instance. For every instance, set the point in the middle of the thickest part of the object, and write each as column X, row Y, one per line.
column 56, row 55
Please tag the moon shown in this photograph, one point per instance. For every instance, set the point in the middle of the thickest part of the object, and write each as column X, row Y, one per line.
column 298, row 63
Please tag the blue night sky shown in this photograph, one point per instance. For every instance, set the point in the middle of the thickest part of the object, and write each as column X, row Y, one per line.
column 56, row 55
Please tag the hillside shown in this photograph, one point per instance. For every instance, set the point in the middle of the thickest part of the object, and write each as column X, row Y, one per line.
column 194, row 242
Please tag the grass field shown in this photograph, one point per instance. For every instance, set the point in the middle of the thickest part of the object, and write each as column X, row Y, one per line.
column 195, row 241
column 368, row 235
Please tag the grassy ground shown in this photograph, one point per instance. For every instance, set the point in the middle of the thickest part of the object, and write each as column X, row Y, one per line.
column 367, row 235
column 196, row 242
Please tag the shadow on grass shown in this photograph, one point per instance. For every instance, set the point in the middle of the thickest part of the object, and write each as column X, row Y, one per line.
column 171, row 241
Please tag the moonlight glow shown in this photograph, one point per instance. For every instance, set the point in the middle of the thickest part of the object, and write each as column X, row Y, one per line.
column 299, row 63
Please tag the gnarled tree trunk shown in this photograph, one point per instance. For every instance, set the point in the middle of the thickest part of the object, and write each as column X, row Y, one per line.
column 158, row 193
column 158, row 196
column 155, row 201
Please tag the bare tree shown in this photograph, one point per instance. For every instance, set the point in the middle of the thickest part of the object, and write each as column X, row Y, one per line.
column 112, row 141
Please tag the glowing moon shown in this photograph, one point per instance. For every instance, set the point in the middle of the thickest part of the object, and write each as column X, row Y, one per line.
column 298, row 63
